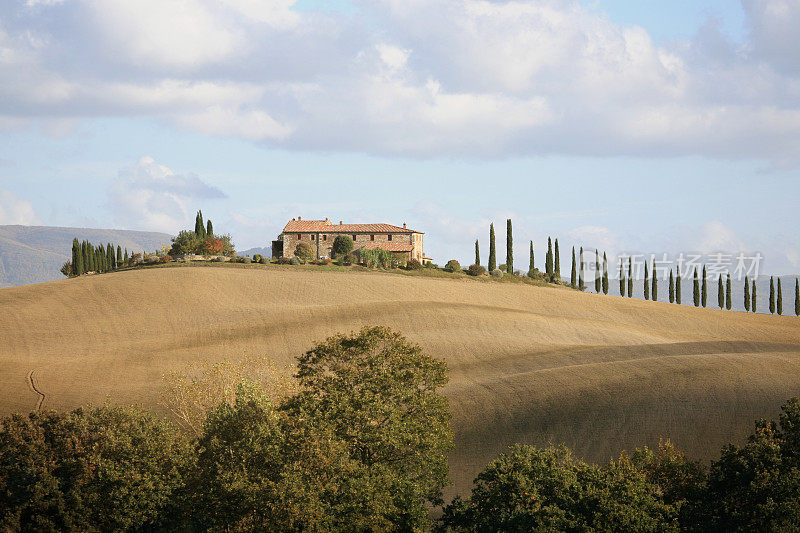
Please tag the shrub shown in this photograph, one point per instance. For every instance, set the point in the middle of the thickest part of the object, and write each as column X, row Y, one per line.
column 304, row 251
column 413, row 264
column 151, row 259
column 294, row 261
column 502, row 268
column 166, row 258
column 476, row 270
column 99, row 469
column 376, row 257
column 257, row 258
column 342, row 245
column 284, row 261
column 496, row 273
column 217, row 259
column 452, row 266
column 246, row 259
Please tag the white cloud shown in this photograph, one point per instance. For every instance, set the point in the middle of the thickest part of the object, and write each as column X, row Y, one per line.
column 427, row 78
column 15, row 210
column 151, row 196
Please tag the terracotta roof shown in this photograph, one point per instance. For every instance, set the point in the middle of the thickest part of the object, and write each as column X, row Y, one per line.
column 326, row 226
column 389, row 247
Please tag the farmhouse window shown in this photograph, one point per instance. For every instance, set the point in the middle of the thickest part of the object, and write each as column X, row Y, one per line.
column 312, row 237
column 354, row 237
column 299, row 236
column 324, row 237
column 372, row 237
column 389, row 237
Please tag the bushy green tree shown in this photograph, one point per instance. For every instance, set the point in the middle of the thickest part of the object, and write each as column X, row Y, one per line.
column 452, row 266
column 342, row 245
column 186, row 242
column 99, row 469
column 531, row 489
column 492, row 250
column 304, row 251
column 509, row 248
column 728, row 295
column 746, row 293
column 646, row 286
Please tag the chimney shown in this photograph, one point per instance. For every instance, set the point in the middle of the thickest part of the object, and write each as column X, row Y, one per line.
column 340, row 222
column 292, row 220
column 404, row 225
column 327, row 220
column 299, row 218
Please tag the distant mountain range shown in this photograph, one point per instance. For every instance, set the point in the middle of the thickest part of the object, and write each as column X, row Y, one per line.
column 265, row 251
column 34, row 254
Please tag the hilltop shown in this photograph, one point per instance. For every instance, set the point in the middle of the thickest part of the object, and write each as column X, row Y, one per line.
column 34, row 254
column 527, row 363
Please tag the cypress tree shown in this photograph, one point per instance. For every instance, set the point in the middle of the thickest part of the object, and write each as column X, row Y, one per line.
column 621, row 279
column 84, row 253
column 671, row 287
column 796, row 297
column 581, row 284
column 127, row 257
column 654, row 292
column 557, row 263
column 77, row 258
column 477, row 253
column 597, row 287
column 492, row 255
column 630, row 277
column 605, row 271
column 509, row 248
column 209, row 229
column 753, row 298
column 720, row 293
column 89, row 257
column 646, row 282
column 199, row 226
column 530, row 261
column 728, row 293
column 548, row 266
column 110, row 255
column 678, row 287
column 704, row 294
column 574, row 274
column 696, row 289
column 771, row 295
column 119, row 256
column 780, row 298
column 746, row 294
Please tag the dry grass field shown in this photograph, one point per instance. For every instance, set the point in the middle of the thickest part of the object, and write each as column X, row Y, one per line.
column 528, row 364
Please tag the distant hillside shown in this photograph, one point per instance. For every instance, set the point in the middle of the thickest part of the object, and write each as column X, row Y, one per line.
column 34, row 254
column 265, row 251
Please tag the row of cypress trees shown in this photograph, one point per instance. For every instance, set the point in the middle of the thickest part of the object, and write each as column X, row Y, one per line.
column 601, row 282
column 203, row 230
column 87, row 257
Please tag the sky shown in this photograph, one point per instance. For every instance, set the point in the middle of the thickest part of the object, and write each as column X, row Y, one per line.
column 645, row 127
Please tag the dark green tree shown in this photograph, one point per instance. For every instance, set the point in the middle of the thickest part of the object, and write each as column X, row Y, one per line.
column 771, row 295
column 77, row 258
column 509, row 248
column 126, row 258
column 342, row 246
column 654, row 291
column 646, row 282
column 704, row 293
column 678, row 287
column 549, row 258
column 728, row 295
column 581, row 284
column 671, row 287
column 621, row 279
column 477, row 253
column 530, row 262
column 110, row 257
column 796, row 297
column 557, row 263
column 199, row 226
column 747, row 293
column 720, row 292
column 492, row 252
column 630, row 277
column 573, row 277
column 597, row 272
column 209, row 229
column 696, row 289
column 605, row 272
column 753, row 298
column 119, row 256
column 780, row 298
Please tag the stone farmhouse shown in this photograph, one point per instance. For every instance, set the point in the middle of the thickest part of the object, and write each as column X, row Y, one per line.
column 404, row 242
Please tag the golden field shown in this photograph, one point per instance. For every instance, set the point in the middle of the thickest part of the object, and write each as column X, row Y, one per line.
column 527, row 364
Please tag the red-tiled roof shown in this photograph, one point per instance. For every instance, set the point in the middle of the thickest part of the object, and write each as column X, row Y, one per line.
column 389, row 247
column 325, row 226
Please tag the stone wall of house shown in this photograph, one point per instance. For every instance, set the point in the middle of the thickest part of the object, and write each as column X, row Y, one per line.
column 322, row 242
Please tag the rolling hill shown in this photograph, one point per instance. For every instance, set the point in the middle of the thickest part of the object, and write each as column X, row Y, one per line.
column 34, row 254
column 527, row 364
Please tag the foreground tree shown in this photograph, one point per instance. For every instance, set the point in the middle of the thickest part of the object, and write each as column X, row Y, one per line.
column 492, row 264
column 304, row 252
column 99, row 469
column 343, row 245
